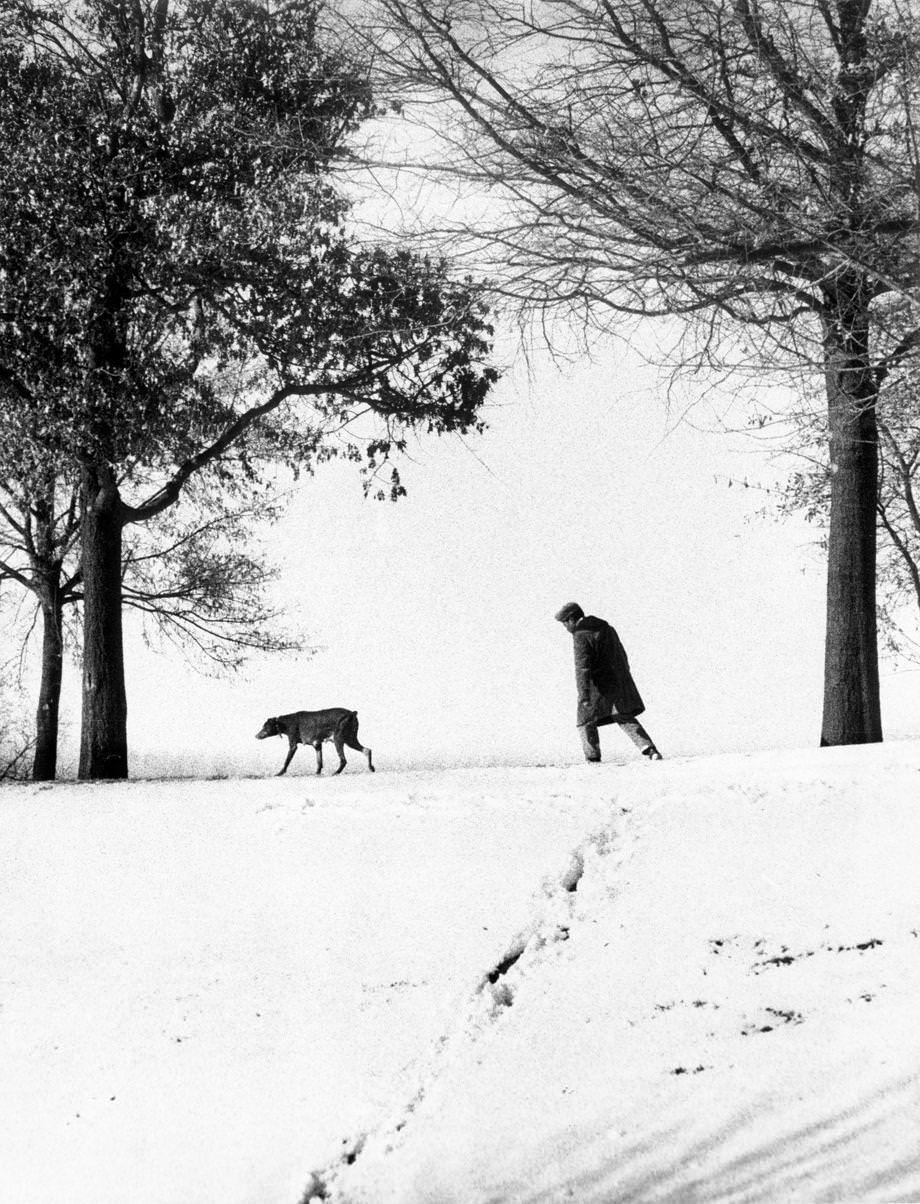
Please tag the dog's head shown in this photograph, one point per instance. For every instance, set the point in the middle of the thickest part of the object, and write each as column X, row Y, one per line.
column 271, row 727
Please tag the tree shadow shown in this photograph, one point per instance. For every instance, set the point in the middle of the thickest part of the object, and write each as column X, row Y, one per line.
column 846, row 1155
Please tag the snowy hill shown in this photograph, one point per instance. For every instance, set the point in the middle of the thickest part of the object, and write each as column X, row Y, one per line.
column 688, row 981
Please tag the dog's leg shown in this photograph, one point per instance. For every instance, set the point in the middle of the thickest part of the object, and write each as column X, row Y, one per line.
column 318, row 746
column 354, row 743
column 287, row 759
column 350, row 737
column 340, row 749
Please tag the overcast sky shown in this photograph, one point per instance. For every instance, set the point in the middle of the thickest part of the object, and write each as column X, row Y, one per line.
column 433, row 616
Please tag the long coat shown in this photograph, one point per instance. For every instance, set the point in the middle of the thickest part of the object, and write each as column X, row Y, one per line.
column 606, row 690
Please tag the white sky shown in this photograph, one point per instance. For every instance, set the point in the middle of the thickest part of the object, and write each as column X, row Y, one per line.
column 433, row 616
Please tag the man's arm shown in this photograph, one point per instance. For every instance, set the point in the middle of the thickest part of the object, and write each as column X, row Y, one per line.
column 583, row 662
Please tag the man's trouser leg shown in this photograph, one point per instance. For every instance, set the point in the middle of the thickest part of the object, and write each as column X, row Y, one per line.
column 637, row 733
column 590, row 741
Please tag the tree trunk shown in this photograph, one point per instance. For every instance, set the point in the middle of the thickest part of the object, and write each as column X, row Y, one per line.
column 44, row 765
column 852, row 710
column 103, row 740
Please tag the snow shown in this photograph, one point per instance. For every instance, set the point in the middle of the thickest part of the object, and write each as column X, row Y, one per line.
column 691, row 980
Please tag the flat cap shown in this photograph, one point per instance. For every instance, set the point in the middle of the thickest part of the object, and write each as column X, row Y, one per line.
column 571, row 610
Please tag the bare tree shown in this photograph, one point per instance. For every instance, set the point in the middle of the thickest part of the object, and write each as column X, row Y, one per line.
column 15, row 741
column 190, row 575
column 39, row 528
column 808, row 491
column 201, row 586
column 740, row 165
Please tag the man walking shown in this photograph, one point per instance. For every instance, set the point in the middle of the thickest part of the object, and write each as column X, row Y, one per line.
column 606, row 690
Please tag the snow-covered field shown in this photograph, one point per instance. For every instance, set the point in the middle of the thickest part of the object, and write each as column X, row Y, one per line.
column 696, row 980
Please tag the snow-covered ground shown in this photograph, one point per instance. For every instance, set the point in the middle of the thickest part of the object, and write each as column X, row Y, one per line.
column 694, row 980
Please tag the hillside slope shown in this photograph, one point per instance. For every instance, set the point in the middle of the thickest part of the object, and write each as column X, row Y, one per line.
column 695, row 980
column 716, row 1000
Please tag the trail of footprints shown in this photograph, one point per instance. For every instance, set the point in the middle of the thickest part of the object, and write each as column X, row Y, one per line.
column 496, row 988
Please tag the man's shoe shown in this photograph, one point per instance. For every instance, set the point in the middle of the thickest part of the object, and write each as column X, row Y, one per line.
column 652, row 753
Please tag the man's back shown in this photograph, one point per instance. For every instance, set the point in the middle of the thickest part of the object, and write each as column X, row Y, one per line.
column 599, row 652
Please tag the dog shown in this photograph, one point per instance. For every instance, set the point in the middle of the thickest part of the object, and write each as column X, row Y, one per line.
column 313, row 727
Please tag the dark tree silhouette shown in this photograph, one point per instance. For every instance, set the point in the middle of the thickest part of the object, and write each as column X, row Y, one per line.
column 38, row 533
column 169, row 223
column 808, row 491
